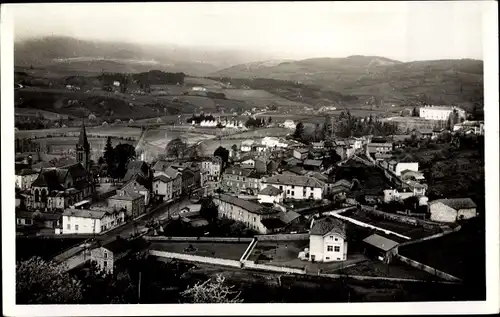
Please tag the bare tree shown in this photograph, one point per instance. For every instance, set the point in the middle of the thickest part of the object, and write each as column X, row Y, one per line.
column 212, row 291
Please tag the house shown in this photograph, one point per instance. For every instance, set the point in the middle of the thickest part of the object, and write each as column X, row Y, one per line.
column 416, row 188
column 404, row 166
column 289, row 124
column 297, row 187
column 318, row 145
column 250, row 213
column 193, row 208
column 452, row 210
column 213, row 166
column 300, row 153
column 476, row 127
column 25, row 177
column 340, row 189
column 379, row 247
column 412, row 175
column 313, row 165
column 164, row 168
column 132, row 203
column 134, row 186
column 237, row 180
column 395, row 195
column 292, row 161
column 441, row 113
column 39, row 219
column 57, row 188
column 107, row 255
column 139, row 170
column 248, row 163
column 270, row 142
column 162, row 187
column 328, row 240
column 188, row 181
column 246, row 146
column 379, row 148
column 270, row 194
column 91, row 221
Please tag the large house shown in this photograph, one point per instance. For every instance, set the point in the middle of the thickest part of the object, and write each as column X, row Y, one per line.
column 250, row 213
column 270, row 194
column 451, row 210
column 237, row 180
column 164, row 168
column 376, row 148
column 57, row 188
column 441, row 113
column 90, row 221
column 134, row 186
column 132, row 203
column 297, row 187
column 213, row 166
column 162, row 187
column 25, row 177
column 300, row 153
column 106, row 255
column 328, row 240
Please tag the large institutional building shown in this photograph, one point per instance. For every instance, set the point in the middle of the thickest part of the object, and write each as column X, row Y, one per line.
column 441, row 113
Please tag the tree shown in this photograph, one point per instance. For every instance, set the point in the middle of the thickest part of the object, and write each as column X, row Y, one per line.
column 269, row 120
column 176, row 148
column 414, row 112
column 41, row 282
column 223, row 153
column 212, row 291
column 299, row 131
column 209, row 210
column 234, row 147
column 100, row 161
column 109, row 154
column 124, row 153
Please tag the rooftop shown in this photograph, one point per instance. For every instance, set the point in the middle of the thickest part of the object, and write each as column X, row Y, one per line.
column 123, row 195
column 270, row 191
column 326, row 225
column 245, row 204
column 316, row 163
column 304, row 181
column 456, row 203
column 380, row 242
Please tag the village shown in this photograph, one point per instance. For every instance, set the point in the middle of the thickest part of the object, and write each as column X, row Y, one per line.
column 331, row 208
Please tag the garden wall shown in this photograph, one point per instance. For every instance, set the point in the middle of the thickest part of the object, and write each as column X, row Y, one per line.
column 283, row 237
column 249, row 250
column 199, row 239
column 195, row 258
column 282, row 269
column 428, row 269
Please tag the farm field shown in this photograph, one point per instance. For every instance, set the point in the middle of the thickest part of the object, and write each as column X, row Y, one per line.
column 260, row 98
column 32, row 112
column 231, row 251
column 116, row 131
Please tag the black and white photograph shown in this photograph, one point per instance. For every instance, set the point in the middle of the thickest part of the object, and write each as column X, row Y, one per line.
column 250, row 153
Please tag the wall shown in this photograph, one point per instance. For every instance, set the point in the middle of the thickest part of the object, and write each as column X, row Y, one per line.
column 406, row 166
column 270, row 199
column 251, row 220
column 252, row 265
column 362, row 224
column 198, row 239
column 316, row 248
column 195, row 258
column 331, row 256
column 283, row 237
column 442, row 213
column 466, row 213
column 297, row 192
column 428, row 269
column 85, row 225
column 103, row 259
column 402, row 219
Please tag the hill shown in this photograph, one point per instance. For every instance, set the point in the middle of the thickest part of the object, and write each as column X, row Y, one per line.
column 439, row 81
column 69, row 53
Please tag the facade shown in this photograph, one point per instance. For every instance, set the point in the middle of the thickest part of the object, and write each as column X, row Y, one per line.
column 379, row 148
column 246, row 146
column 133, row 186
column 298, row 187
column 477, row 127
column 131, row 202
column 289, row 124
column 213, row 166
column 90, row 221
column 164, row 168
column 328, row 240
column 441, row 113
column 452, row 210
column 250, row 213
column 237, row 180
column 270, row 194
column 25, row 177
column 162, row 187
column 300, row 153
column 402, row 166
column 106, row 255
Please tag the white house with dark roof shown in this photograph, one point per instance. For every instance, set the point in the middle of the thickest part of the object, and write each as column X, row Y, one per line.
column 89, row 221
column 270, row 194
column 297, row 187
column 300, row 153
column 451, row 210
column 328, row 240
column 248, row 212
column 441, row 113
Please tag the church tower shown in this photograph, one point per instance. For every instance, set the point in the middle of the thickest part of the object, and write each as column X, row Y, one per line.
column 83, row 149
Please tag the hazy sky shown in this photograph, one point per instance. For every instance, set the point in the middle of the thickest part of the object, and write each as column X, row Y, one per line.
column 403, row 31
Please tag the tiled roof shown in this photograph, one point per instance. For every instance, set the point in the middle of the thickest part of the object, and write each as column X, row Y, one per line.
column 161, row 166
column 313, row 162
column 48, row 179
column 238, row 171
column 270, row 191
column 273, row 223
column 456, row 203
column 380, row 242
column 172, row 173
column 342, row 183
column 328, row 224
column 245, row 204
column 288, row 216
column 302, row 150
column 85, row 213
column 304, row 181
column 126, row 196
column 161, row 178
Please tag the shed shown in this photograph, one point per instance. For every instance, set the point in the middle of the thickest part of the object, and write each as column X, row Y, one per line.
column 380, row 247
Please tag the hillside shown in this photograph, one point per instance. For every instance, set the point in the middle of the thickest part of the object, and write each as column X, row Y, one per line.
column 439, row 81
column 59, row 52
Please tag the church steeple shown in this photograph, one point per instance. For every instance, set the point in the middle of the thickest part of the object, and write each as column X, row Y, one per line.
column 83, row 148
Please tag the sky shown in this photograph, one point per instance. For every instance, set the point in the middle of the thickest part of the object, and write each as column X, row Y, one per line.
column 404, row 31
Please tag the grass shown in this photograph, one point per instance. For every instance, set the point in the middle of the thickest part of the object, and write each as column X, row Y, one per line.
column 43, row 247
column 231, row 251
column 379, row 269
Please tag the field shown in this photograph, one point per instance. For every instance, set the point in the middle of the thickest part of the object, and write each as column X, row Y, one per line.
column 260, row 98
column 113, row 131
column 231, row 251
column 377, row 268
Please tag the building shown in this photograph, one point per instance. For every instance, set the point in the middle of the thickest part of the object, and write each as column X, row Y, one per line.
column 250, row 213
column 395, row 195
column 300, row 153
column 164, row 168
column 313, row 165
column 134, row 186
column 340, row 189
column 162, row 187
column 289, row 124
column 25, row 177
column 246, row 146
column 379, row 247
column 270, row 194
column 42, row 220
column 238, row 180
column 452, row 210
column 132, row 203
column 441, row 113
column 476, row 127
column 412, row 175
column 91, row 221
column 297, row 187
column 328, row 240
column 107, row 255
column 405, row 166
column 140, row 171
column 379, row 148
column 57, row 188
column 213, row 166
column 188, row 181
column 83, row 149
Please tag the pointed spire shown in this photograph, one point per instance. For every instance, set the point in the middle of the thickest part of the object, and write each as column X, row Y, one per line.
column 82, row 140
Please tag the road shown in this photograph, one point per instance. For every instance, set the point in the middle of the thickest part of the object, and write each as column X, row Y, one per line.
column 139, row 225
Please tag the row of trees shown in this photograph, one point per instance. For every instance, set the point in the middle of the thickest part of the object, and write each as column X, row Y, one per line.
column 117, row 158
column 255, row 122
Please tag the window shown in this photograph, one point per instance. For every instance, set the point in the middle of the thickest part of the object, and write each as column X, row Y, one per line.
column 293, row 186
column 68, row 226
column 329, row 248
column 105, row 263
column 288, row 191
column 328, row 258
column 337, row 248
column 293, row 193
column 336, row 239
column 105, row 255
column 28, row 221
column 254, row 219
column 281, row 187
column 76, row 227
